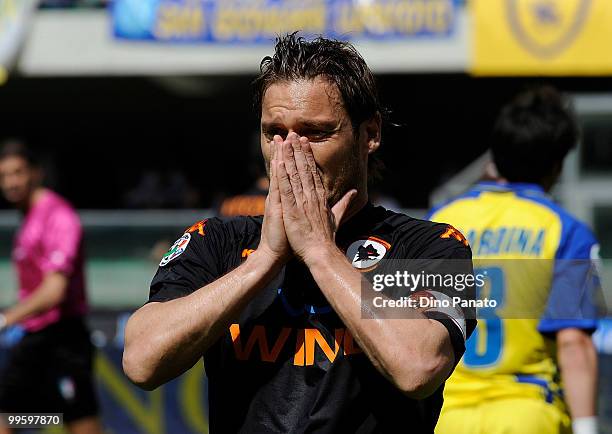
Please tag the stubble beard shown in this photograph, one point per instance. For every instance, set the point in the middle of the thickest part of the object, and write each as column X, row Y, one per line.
column 350, row 177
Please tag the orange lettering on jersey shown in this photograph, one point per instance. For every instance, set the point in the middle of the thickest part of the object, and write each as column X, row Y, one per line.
column 299, row 359
column 199, row 226
column 314, row 335
column 452, row 232
column 258, row 335
column 307, row 343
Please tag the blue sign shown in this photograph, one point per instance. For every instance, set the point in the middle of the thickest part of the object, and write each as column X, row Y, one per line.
column 260, row 21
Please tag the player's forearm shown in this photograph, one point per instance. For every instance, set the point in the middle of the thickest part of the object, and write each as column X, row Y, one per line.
column 49, row 294
column 163, row 340
column 578, row 362
column 414, row 353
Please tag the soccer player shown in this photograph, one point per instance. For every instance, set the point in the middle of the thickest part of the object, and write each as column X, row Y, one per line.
column 510, row 378
column 50, row 369
column 273, row 303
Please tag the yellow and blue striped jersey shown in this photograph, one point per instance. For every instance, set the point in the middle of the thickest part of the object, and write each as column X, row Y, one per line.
column 523, row 242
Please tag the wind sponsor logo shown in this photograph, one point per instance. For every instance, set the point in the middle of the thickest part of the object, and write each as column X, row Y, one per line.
column 305, row 344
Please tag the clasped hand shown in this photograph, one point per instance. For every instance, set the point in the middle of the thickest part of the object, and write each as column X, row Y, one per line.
column 298, row 219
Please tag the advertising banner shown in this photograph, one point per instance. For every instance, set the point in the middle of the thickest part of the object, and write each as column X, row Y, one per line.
column 256, row 21
column 542, row 37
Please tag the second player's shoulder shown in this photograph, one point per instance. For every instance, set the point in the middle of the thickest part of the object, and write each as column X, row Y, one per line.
column 459, row 203
column 569, row 222
column 576, row 238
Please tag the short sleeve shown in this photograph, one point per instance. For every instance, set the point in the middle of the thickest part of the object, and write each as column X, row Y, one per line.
column 192, row 262
column 445, row 252
column 62, row 242
column 575, row 285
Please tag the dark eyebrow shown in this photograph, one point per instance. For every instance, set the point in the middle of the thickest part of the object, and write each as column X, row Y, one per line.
column 270, row 125
column 321, row 125
column 314, row 125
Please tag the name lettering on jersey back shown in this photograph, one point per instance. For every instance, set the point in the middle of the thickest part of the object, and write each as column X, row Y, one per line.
column 307, row 343
column 507, row 240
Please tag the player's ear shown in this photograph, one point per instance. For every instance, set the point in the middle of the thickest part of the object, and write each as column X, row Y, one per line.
column 373, row 130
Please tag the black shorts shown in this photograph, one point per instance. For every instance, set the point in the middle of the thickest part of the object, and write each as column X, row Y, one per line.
column 50, row 371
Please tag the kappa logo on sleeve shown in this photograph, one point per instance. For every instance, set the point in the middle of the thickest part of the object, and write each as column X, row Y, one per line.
column 365, row 254
column 451, row 232
column 246, row 252
column 199, row 226
column 176, row 250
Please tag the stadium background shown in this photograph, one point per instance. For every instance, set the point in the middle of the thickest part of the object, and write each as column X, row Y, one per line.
column 144, row 122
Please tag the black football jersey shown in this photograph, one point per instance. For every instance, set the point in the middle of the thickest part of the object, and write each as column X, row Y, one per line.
column 288, row 364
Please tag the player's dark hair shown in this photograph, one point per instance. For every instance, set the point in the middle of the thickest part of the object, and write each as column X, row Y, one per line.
column 533, row 134
column 17, row 148
column 296, row 58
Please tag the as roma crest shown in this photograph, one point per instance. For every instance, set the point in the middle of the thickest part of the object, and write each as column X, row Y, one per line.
column 364, row 254
column 547, row 27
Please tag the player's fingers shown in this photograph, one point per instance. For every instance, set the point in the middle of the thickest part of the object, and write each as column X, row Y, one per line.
column 307, row 150
column 317, row 202
column 303, row 167
column 312, row 166
column 273, row 197
column 291, row 168
column 267, row 206
column 339, row 209
column 285, row 188
column 274, row 193
column 275, row 145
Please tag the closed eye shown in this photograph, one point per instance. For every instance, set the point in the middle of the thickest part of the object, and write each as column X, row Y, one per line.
column 318, row 136
column 269, row 133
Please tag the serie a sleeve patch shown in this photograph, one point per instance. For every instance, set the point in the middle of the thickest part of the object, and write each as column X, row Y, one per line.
column 176, row 250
